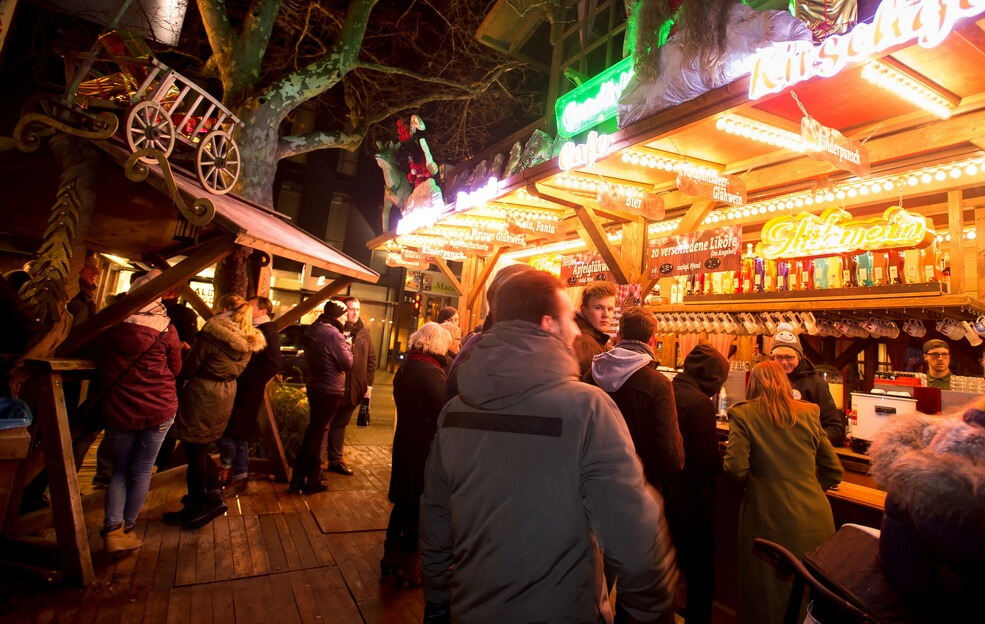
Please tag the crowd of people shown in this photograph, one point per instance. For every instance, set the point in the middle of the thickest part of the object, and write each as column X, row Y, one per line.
column 537, row 463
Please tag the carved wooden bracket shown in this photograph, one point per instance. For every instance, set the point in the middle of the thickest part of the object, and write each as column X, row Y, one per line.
column 27, row 133
column 202, row 209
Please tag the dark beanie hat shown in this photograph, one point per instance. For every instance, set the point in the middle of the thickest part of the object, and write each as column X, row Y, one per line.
column 708, row 367
column 935, row 343
column 334, row 309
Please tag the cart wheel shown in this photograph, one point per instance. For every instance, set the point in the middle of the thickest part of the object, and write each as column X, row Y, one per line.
column 217, row 162
column 148, row 125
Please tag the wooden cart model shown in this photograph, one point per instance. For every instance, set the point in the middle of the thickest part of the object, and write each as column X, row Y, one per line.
column 163, row 108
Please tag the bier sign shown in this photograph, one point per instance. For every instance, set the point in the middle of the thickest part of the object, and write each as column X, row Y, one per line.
column 707, row 251
column 650, row 206
column 526, row 223
column 710, row 185
column 581, row 268
column 830, row 146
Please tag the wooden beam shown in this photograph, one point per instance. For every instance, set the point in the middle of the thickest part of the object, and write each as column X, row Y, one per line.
column 479, row 284
column 206, row 255
column 447, row 272
column 270, row 433
column 980, row 250
column 584, row 209
column 632, row 248
column 185, row 290
column 694, row 216
column 850, row 354
column 66, row 501
column 955, row 226
column 312, row 302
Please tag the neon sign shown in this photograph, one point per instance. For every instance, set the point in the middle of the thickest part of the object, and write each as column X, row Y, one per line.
column 470, row 199
column 928, row 22
column 585, row 154
column 835, row 232
column 593, row 102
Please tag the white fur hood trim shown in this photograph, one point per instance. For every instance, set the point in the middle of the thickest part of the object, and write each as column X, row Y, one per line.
column 227, row 332
column 933, row 467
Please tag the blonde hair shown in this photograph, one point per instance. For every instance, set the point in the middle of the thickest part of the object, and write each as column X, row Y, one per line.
column 240, row 312
column 430, row 338
column 769, row 385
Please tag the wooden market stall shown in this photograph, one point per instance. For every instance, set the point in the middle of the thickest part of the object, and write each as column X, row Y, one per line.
column 886, row 151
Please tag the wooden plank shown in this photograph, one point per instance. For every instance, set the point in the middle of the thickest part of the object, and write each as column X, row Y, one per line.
column 201, row 605
column 206, row 255
column 312, row 302
column 273, row 545
column 955, row 226
column 258, row 553
column 479, row 285
column 980, row 250
column 280, row 599
column 304, row 600
column 446, row 270
column 157, row 607
column 143, row 575
column 66, row 502
column 600, row 240
column 223, row 605
column 224, row 563
column 167, row 559
column 332, row 597
column 239, row 547
column 319, row 544
column 306, row 553
column 205, row 555
column 694, row 216
column 270, row 435
column 179, row 606
column 291, row 555
column 197, row 303
column 187, row 558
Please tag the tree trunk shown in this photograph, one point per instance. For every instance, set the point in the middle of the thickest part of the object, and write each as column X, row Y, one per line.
column 232, row 276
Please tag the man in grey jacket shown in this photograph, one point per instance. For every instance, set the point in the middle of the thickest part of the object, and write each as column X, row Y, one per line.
column 536, row 473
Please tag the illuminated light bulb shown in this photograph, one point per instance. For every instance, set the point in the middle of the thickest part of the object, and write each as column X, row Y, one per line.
column 771, row 208
column 829, row 196
column 790, row 204
column 947, row 237
column 798, row 202
column 972, row 235
column 887, row 186
column 940, row 239
column 635, row 159
column 940, row 176
column 863, row 190
column 746, row 212
column 809, row 200
column 851, row 192
column 625, row 157
column 912, row 181
column 926, row 178
column 971, row 169
column 839, row 195
column 875, row 187
column 955, row 173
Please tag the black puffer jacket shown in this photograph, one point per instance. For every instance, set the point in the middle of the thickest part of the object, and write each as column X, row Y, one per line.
column 806, row 380
column 328, row 355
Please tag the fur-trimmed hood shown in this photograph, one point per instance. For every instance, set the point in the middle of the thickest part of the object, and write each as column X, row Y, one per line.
column 224, row 331
column 934, row 468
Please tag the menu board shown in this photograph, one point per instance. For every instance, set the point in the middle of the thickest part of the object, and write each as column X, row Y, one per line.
column 706, row 251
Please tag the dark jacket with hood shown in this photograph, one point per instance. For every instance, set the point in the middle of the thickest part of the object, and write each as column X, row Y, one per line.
column 932, row 546
column 645, row 398
column 808, row 383
column 252, row 385
column 363, row 370
column 138, row 361
column 588, row 345
column 219, row 355
column 531, row 478
column 327, row 354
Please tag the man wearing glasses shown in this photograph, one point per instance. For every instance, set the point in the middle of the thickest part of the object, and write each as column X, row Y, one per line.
column 937, row 355
column 807, row 383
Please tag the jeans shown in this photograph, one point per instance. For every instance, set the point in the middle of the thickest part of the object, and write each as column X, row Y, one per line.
column 133, row 460
column 236, row 454
column 322, row 408
column 334, row 438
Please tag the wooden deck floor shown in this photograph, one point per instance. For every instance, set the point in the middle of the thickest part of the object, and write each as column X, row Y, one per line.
column 273, row 557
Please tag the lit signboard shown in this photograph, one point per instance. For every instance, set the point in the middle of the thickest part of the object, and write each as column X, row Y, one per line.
column 928, row 22
column 594, row 101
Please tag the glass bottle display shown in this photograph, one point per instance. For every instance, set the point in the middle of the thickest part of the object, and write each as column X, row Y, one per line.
column 880, row 268
column 821, row 272
column 912, row 266
column 863, row 263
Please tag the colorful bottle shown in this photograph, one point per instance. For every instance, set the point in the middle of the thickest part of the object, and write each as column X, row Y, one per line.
column 912, row 266
column 782, row 275
column 748, row 271
column 793, row 277
column 946, row 272
column 849, row 271
column 931, row 270
column 864, row 264
column 759, row 277
column 834, row 272
column 730, row 282
column 880, row 268
column 717, row 282
column 807, row 275
column 896, row 267
column 821, row 272
column 769, row 275
column 675, row 293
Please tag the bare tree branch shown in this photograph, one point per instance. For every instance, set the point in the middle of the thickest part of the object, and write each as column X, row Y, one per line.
column 387, row 69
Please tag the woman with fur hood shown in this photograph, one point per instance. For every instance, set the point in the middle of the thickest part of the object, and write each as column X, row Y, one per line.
column 932, row 545
column 221, row 351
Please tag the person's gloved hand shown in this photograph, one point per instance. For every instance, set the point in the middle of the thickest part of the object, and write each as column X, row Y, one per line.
column 437, row 613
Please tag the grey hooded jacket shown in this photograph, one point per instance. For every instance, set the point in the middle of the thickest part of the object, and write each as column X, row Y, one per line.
column 531, row 473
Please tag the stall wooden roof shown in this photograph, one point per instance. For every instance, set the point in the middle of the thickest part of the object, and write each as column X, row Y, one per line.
column 901, row 138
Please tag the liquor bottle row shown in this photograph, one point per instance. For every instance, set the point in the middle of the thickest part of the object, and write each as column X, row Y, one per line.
column 910, row 266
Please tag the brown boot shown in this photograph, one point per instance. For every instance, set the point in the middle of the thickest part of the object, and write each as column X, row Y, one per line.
column 120, row 543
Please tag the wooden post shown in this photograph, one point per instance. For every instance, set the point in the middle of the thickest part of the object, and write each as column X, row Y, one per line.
column 312, row 302
column 263, row 280
column 871, row 365
column 633, row 249
column 586, row 215
column 479, row 283
column 979, row 250
column 206, row 255
column 197, row 303
column 270, row 434
column 694, row 216
column 467, row 313
column 448, row 273
column 955, row 226
column 66, row 502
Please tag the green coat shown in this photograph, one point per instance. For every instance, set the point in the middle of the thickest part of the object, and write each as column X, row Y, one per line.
column 785, row 473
